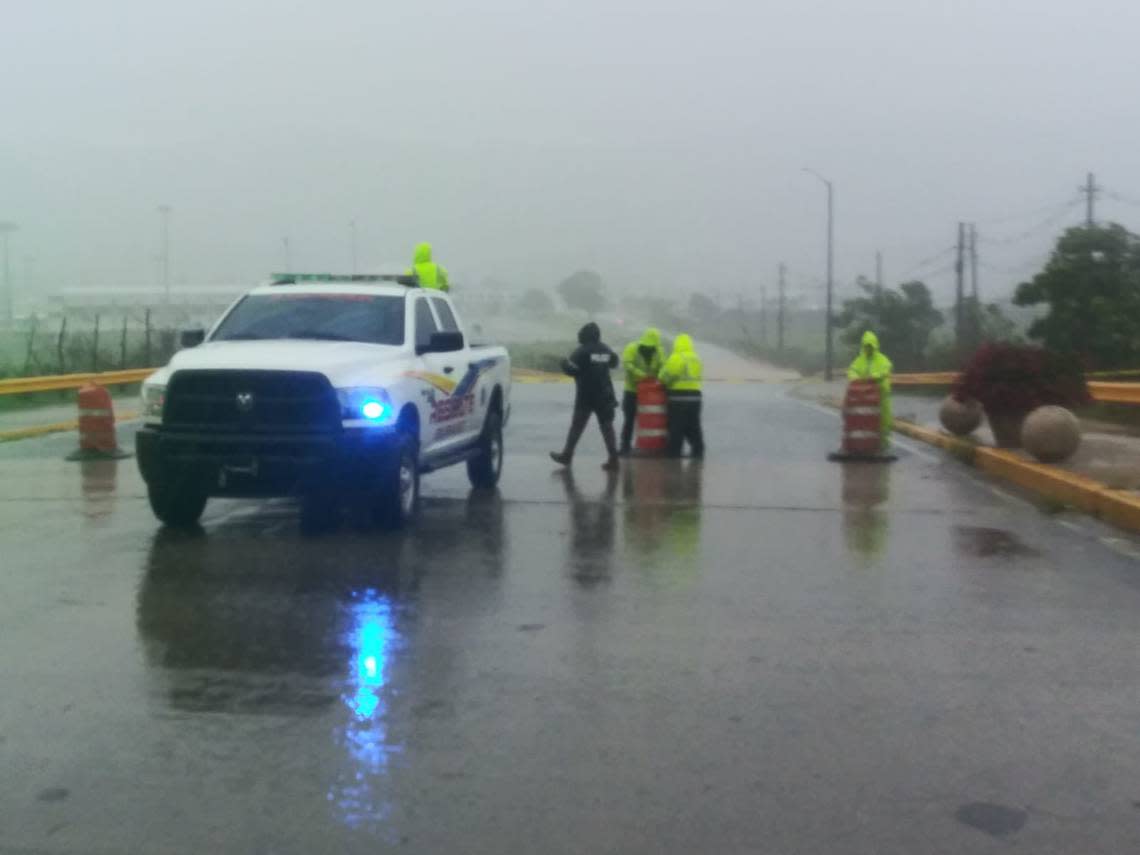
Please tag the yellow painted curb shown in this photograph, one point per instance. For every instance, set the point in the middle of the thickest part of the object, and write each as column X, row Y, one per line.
column 58, row 427
column 530, row 375
column 1117, row 507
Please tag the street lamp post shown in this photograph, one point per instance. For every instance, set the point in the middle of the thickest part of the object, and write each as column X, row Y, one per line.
column 830, row 266
column 9, row 313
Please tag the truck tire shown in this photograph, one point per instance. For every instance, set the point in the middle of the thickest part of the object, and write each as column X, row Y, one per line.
column 398, row 496
column 484, row 470
column 178, row 504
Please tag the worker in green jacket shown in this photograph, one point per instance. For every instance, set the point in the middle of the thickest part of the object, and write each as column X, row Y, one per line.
column 681, row 376
column 872, row 364
column 642, row 360
column 430, row 274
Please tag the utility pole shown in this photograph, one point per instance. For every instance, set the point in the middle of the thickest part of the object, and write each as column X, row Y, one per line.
column 975, row 300
column 9, row 313
column 959, row 270
column 764, row 316
column 879, row 273
column 164, row 235
column 830, row 268
column 1090, row 191
column 288, row 255
column 780, row 313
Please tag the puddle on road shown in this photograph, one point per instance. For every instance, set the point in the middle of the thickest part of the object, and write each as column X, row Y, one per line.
column 995, row 820
column 983, row 542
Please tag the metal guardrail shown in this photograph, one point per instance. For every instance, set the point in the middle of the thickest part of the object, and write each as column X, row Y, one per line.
column 53, row 383
column 1107, row 392
column 934, row 378
column 1115, row 393
column 57, row 382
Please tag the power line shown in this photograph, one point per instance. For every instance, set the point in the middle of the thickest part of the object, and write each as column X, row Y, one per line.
column 1120, row 197
column 926, row 262
column 1047, row 223
column 1025, row 215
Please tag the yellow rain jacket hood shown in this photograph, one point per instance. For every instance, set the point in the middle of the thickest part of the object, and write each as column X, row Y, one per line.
column 683, row 370
column 637, row 366
column 431, row 275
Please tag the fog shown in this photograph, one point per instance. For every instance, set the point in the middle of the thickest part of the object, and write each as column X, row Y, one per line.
column 660, row 143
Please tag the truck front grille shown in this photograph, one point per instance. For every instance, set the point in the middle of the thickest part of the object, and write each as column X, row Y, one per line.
column 251, row 402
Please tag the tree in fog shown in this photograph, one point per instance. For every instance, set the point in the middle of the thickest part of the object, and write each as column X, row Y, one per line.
column 903, row 319
column 989, row 320
column 583, row 290
column 1091, row 286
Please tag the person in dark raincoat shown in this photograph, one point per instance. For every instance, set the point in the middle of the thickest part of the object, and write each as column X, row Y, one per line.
column 590, row 366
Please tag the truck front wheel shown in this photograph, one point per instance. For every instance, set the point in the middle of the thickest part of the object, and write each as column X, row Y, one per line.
column 178, row 504
column 399, row 493
column 483, row 471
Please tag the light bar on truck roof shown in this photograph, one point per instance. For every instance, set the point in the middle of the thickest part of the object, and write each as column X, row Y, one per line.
column 408, row 280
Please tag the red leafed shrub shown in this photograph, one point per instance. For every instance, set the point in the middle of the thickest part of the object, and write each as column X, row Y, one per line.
column 1016, row 378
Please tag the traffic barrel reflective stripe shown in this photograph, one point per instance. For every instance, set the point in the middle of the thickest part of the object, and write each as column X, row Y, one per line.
column 862, row 420
column 96, row 422
column 652, row 417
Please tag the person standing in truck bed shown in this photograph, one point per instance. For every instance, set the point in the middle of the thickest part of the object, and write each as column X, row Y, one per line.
column 430, row 274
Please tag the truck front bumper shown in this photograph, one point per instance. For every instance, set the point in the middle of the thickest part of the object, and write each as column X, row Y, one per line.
column 261, row 465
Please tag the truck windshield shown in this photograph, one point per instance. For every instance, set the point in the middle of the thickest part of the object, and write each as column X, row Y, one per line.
column 323, row 317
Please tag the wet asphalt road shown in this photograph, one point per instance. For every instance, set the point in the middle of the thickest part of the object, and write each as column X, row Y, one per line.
column 766, row 653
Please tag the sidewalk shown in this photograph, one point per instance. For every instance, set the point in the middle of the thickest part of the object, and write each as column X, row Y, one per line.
column 1102, row 478
column 1113, row 459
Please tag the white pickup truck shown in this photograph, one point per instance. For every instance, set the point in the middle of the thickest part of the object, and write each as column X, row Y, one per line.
column 326, row 387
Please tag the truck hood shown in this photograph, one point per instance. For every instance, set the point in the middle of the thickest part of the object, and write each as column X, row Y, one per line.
column 344, row 363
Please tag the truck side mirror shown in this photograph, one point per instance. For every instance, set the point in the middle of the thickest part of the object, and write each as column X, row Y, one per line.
column 192, row 338
column 442, row 342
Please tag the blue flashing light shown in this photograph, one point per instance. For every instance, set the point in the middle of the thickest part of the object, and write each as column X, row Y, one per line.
column 374, row 411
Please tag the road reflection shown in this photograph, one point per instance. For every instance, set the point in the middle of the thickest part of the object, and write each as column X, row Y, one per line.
column 371, row 640
column 866, row 527
column 662, row 520
column 248, row 618
column 98, row 481
column 592, row 528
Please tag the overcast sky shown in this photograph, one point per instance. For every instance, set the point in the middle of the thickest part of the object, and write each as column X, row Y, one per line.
column 658, row 142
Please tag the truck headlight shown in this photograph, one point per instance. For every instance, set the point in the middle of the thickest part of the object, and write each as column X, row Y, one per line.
column 362, row 406
column 153, row 400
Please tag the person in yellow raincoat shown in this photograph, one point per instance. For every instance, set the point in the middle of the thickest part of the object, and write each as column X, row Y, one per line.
column 643, row 360
column 430, row 274
column 681, row 376
column 872, row 364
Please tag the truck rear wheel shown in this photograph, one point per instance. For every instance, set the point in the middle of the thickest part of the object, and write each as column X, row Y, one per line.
column 398, row 496
column 484, row 470
column 177, row 504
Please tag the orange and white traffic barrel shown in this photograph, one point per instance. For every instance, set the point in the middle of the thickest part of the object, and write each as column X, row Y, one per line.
column 652, row 429
column 862, row 419
column 96, row 424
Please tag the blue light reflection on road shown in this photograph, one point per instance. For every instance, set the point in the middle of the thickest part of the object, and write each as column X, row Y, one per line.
column 371, row 640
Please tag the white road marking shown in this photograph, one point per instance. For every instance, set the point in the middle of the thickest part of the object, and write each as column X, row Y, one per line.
column 1122, row 547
